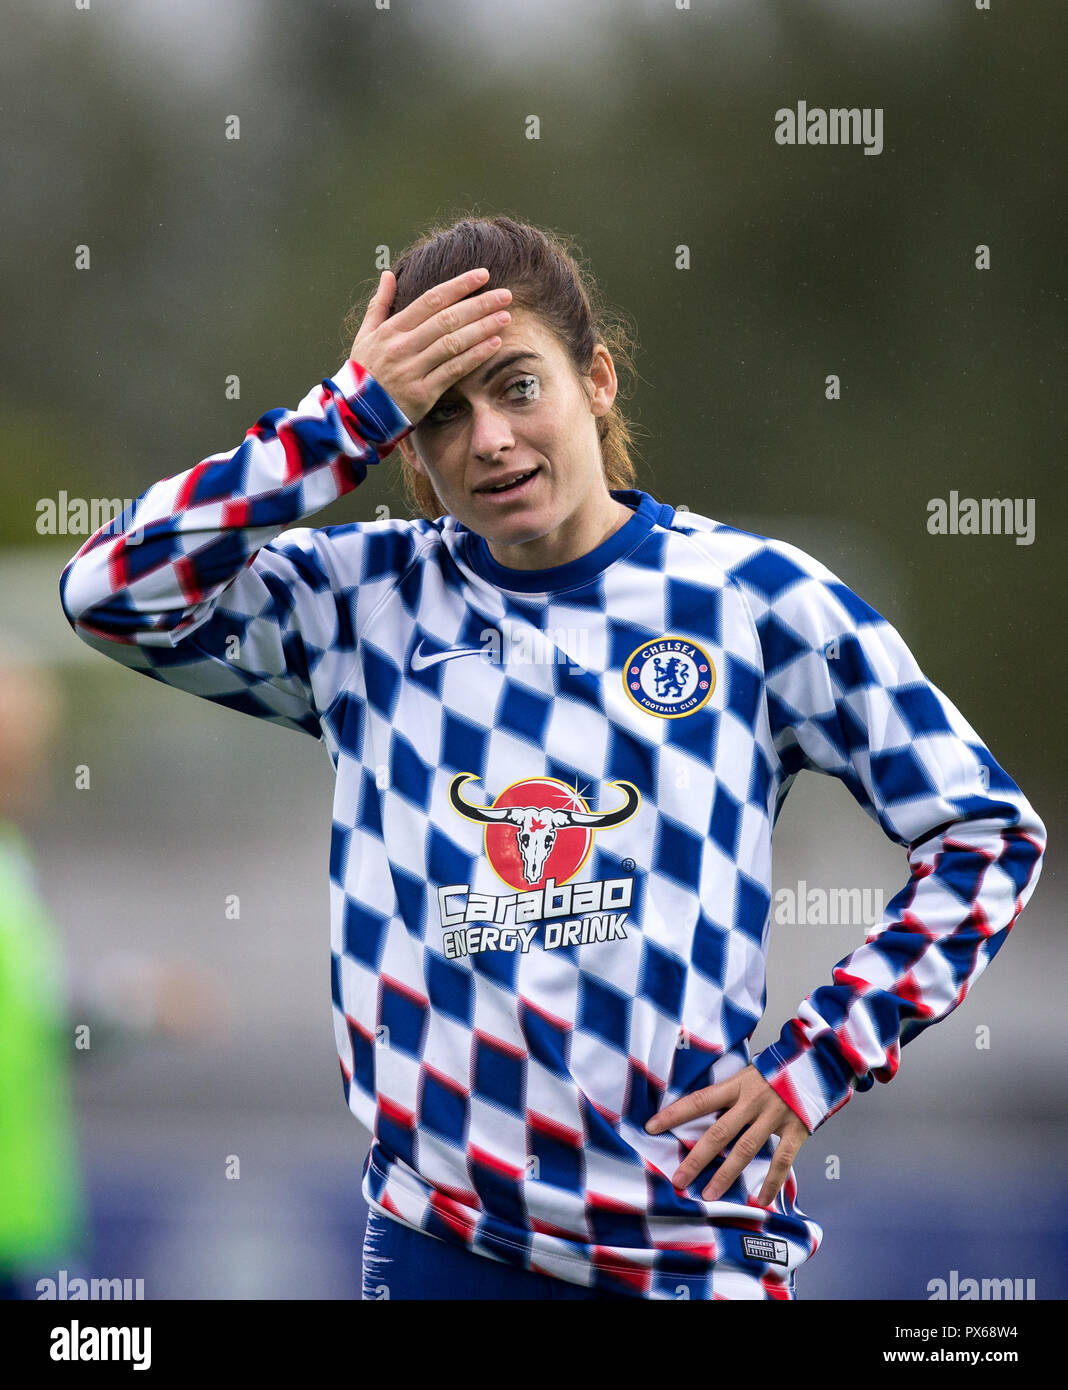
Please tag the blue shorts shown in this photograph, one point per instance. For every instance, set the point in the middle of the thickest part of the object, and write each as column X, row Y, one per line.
column 399, row 1262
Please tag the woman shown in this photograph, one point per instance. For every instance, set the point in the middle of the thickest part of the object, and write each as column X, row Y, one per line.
column 563, row 719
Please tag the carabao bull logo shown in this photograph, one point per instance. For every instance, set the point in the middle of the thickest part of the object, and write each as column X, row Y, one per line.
column 537, row 820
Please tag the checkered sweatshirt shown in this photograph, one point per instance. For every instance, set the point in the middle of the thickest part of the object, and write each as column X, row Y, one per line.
column 550, row 865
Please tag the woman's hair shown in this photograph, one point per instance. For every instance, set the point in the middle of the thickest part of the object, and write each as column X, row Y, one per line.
column 545, row 277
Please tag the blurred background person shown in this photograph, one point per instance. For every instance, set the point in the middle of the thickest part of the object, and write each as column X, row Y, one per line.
column 42, row 1210
column 126, row 998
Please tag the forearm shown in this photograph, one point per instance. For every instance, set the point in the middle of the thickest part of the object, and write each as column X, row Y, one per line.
column 152, row 575
column 968, row 884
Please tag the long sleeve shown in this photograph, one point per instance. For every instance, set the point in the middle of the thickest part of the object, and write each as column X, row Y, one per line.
column 191, row 587
column 846, row 697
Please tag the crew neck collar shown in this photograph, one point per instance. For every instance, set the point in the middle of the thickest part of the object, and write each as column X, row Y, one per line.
column 648, row 512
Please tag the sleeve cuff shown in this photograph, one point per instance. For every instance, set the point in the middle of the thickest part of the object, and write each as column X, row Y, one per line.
column 381, row 420
column 789, row 1082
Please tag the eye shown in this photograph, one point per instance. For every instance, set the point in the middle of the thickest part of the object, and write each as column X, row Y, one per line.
column 529, row 390
column 529, row 387
column 429, row 416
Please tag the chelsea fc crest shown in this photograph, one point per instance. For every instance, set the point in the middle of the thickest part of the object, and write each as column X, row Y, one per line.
column 669, row 677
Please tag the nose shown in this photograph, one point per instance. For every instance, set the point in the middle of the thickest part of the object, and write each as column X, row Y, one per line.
column 491, row 433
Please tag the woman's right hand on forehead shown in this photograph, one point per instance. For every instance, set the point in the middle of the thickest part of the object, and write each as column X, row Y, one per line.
column 419, row 353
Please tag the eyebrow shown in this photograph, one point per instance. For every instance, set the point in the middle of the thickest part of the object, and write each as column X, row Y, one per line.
column 500, row 366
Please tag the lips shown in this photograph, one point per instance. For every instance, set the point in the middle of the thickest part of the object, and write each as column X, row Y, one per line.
column 502, row 486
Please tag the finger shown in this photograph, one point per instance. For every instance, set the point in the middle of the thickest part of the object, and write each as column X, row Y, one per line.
column 456, row 354
column 712, row 1143
column 701, row 1102
column 746, row 1147
column 457, row 327
column 439, row 297
column 377, row 310
column 786, row 1151
column 777, row 1174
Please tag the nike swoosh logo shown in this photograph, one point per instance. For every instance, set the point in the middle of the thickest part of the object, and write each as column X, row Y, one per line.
column 421, row 660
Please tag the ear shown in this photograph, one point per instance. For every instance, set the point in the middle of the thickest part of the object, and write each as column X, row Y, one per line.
column 602, row 378
column 407, row 448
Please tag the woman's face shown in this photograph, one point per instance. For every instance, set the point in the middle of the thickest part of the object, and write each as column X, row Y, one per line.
column 514, row 415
